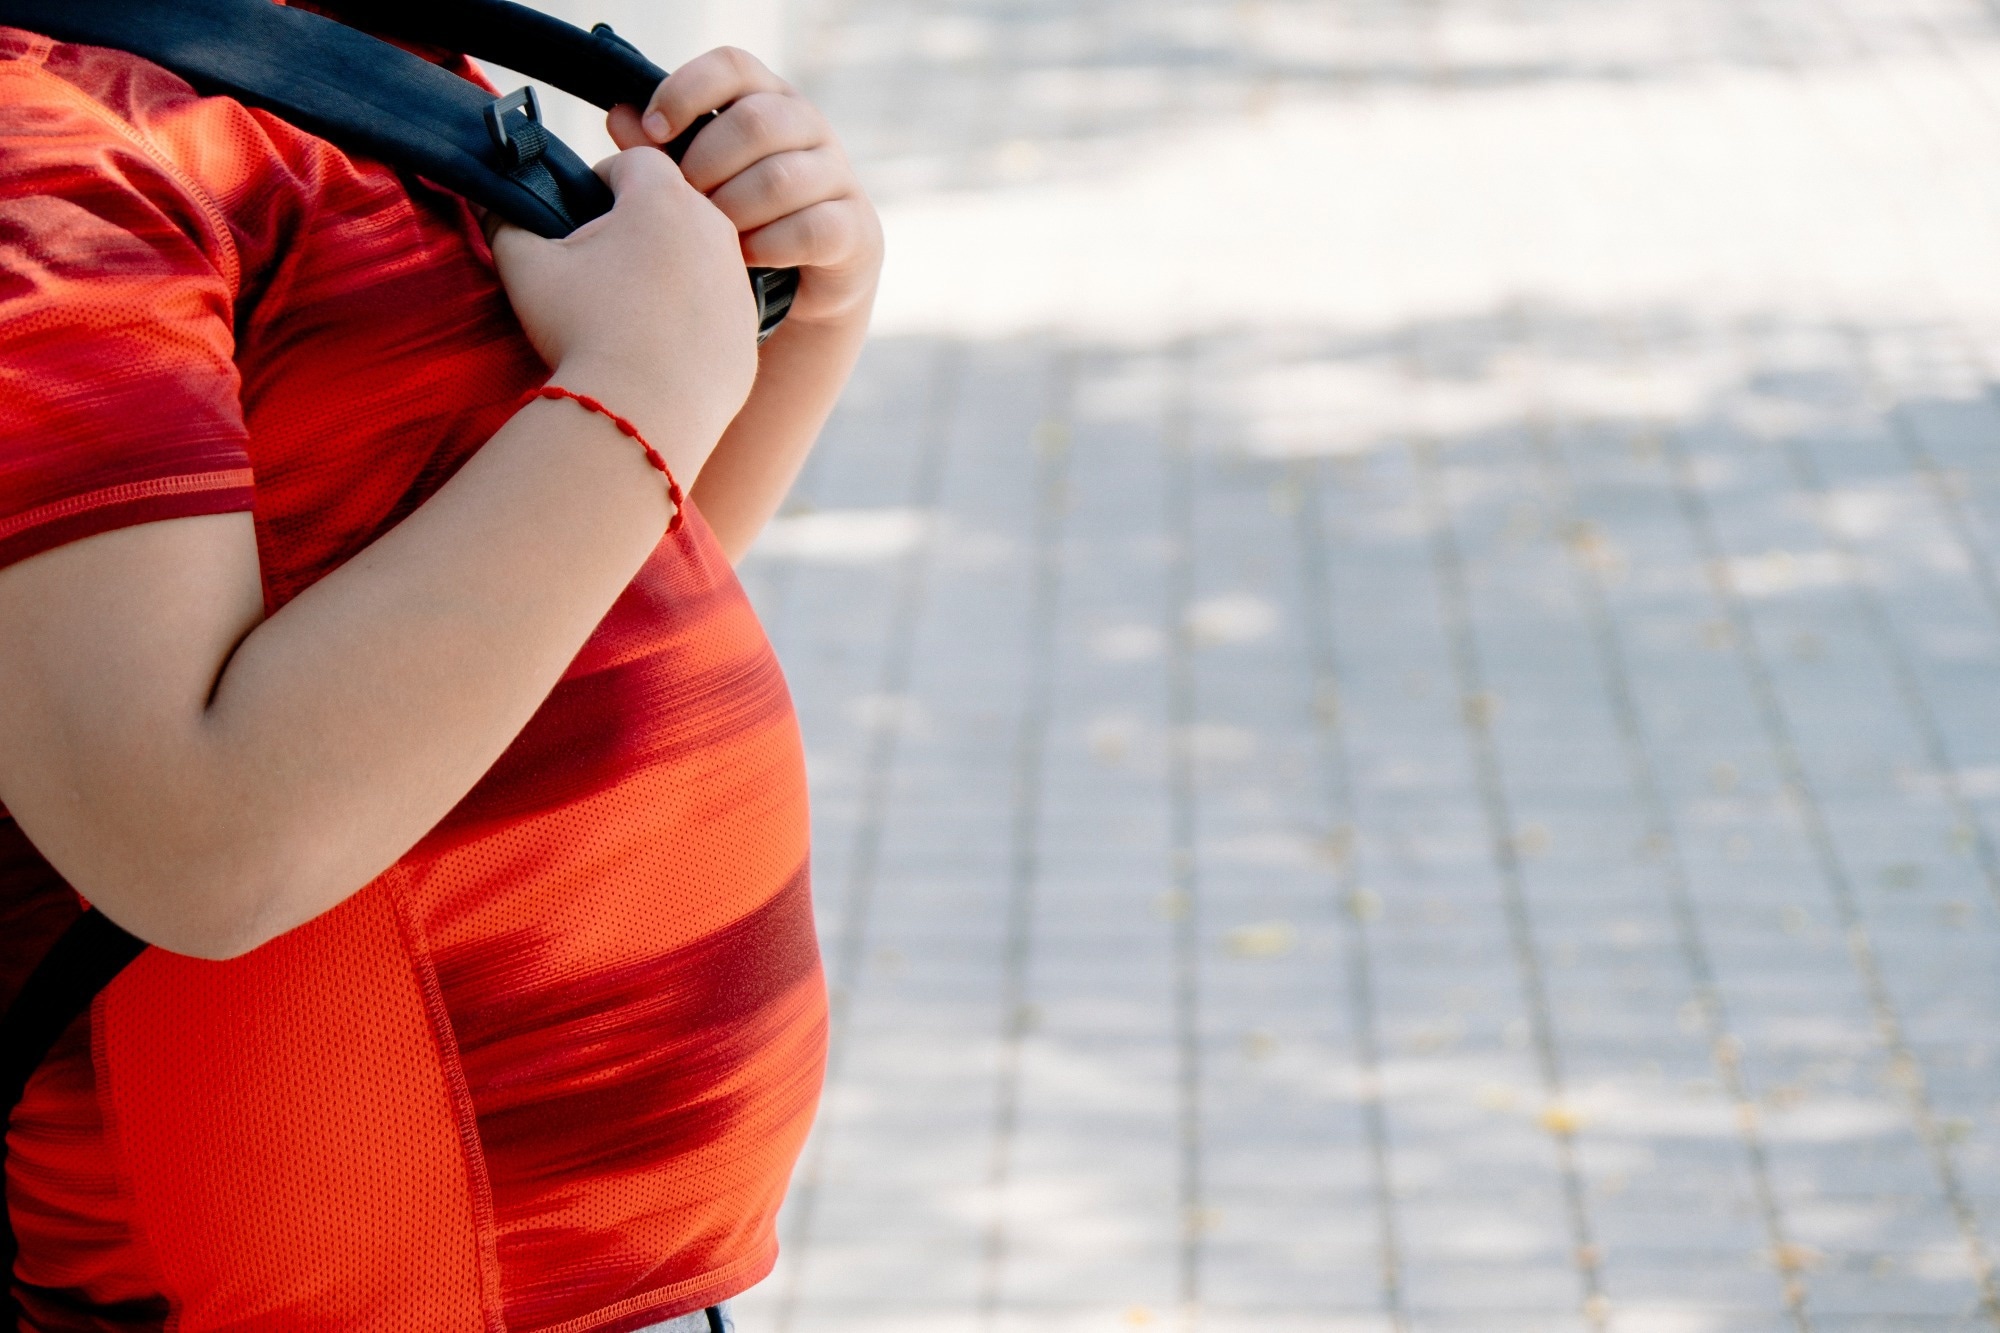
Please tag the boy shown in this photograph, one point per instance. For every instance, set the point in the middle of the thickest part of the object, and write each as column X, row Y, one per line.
column 432, row 743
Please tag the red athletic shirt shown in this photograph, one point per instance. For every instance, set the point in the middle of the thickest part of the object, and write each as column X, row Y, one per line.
column 551, row 1071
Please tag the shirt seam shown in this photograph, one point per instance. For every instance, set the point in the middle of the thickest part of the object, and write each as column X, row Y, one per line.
column 444, row 1035
column 137, row 1232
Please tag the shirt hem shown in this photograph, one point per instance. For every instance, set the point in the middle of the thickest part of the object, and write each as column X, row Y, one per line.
column 670, row 1302
column 129, row 505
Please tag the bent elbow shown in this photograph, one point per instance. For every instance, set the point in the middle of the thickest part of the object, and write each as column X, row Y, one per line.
column 199, row 878
column 181, row 923
column 211, row 943
column 202, row 911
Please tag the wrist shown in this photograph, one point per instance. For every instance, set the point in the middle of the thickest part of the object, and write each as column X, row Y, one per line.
column 627, row 428
column 671, row 417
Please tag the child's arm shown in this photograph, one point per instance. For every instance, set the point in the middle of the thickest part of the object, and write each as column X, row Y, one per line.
column 211, row 778
column 773, row 166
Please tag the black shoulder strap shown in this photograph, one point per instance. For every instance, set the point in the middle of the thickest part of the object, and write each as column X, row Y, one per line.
column 84, row 960
column 367, row 95
column 336, row 82
column 599, row 66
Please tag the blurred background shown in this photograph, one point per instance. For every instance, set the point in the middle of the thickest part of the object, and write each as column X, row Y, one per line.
column 1397, row 642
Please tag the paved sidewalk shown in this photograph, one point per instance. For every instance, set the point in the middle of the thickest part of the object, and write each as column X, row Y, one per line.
column 1398, row 643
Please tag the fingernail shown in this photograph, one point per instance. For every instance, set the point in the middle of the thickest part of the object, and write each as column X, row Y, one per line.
column 656, row 124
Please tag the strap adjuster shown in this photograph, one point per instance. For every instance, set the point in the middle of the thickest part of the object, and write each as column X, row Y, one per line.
column 524, row 143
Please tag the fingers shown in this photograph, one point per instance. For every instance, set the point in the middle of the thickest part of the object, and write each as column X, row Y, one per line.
column 773, row 168
column 706, row 83
column 781, row 185
column 626, row 131
column 752, row 129
column 826, row 235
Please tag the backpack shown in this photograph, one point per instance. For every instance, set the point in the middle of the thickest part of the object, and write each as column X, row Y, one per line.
column 370, row 96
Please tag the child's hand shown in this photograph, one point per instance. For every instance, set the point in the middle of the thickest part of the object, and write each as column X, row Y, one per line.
column 645, row 307
column 772, row 165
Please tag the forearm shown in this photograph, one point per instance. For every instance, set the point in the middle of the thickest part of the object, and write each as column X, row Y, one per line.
column 801, row 371
column 211, row 777
column 401, row 678
column 345, row 726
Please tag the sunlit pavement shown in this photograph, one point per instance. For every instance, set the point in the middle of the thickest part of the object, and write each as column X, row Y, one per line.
column 1397, row 640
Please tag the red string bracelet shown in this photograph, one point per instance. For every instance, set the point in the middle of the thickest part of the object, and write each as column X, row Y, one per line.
column 585, row 401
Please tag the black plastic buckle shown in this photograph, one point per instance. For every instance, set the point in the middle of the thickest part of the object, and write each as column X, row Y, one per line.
column 517, row 150
column 603, row 32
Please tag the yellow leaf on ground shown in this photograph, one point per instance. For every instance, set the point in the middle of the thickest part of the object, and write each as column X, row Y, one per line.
column 1265, row 939
column 1561, row 1121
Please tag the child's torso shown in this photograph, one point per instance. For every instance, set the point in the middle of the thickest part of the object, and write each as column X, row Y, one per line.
column 550, row 1071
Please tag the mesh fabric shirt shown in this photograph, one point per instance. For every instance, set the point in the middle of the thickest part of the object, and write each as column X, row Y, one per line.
column 550, row 1071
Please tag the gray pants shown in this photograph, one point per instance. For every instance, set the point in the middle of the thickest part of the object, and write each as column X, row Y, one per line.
column 701, row 1321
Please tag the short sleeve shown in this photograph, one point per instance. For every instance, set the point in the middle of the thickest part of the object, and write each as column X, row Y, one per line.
column 119, row 397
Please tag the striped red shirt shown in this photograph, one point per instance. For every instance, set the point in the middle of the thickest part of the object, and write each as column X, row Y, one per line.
column 552, row 1070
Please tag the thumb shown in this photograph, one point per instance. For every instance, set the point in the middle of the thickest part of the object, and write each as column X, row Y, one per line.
column 641, row 167
column 512, row 246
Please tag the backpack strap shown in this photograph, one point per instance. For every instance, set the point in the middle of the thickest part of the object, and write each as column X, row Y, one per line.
column 599, row 66
column 365, row 94
column 339, row 83
column 85, row 959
